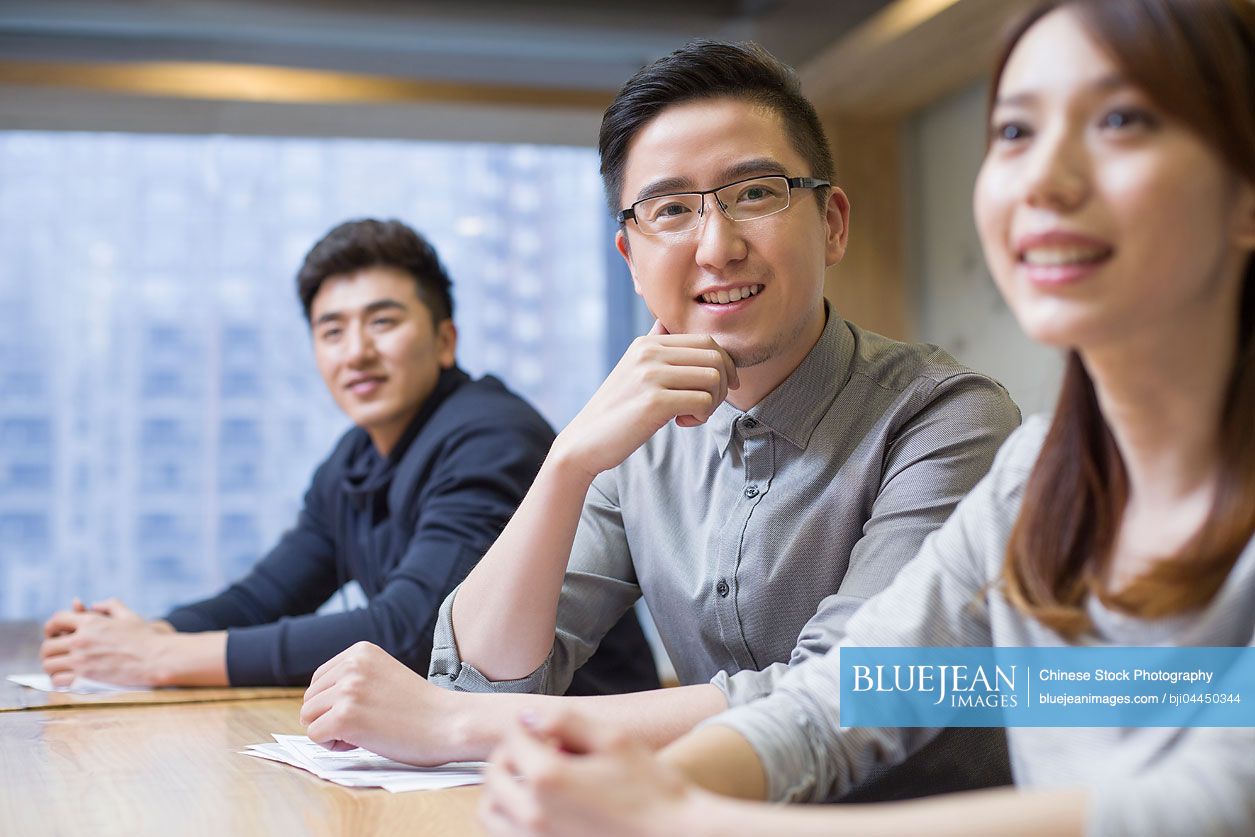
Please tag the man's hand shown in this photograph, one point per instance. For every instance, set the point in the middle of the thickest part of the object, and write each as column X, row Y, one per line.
column 108, row 642
column 363, row 697
column 659, row 378
column 563, row 774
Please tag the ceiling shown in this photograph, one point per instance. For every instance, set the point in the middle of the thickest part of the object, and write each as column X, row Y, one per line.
column 551, row 44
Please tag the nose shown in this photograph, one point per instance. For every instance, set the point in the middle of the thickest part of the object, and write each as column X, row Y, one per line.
column 719, row 238
column 358, row 346
column 1058, row 174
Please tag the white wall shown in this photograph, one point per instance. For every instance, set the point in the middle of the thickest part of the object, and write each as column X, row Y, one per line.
column 956, row 303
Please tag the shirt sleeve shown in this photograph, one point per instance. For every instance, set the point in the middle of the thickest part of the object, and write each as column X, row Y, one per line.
column 938, row 599
column 934, row 460
column 477, row 482
column 599, row 587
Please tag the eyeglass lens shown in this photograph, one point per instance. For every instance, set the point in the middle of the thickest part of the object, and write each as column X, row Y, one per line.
column 742, row 201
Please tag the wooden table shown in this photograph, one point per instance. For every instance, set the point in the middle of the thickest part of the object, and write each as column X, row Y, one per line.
column 174, row 768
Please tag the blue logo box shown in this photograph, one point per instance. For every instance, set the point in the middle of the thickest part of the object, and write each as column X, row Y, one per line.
column 1048, row 687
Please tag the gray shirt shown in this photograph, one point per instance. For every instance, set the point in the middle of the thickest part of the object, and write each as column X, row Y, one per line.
column 754, row 536
column 1146, row 781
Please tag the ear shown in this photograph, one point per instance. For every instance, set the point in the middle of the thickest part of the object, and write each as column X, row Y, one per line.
column 837, row 223
column 625, row 250
column 1244, row 226
column 446, row 343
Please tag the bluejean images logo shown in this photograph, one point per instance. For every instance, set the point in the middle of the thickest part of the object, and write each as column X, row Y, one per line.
column 958, row 686
column 1065, row 686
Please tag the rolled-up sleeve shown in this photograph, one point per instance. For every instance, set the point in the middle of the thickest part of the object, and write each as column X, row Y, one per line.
column 599, row 587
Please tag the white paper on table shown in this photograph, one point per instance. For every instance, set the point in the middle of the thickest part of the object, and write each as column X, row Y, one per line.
column 360, row 768
column 80, row 686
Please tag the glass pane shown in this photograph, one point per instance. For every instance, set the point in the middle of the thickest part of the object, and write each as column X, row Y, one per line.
column 160, row 414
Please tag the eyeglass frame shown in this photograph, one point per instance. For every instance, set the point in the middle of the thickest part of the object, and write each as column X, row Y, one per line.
column 629, row 213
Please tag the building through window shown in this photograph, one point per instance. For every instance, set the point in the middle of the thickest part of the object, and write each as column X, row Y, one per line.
column 160, row 413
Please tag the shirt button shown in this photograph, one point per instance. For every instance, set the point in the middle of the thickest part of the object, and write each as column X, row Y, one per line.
column 751, row 491
column 722, row 588
column 749, row 423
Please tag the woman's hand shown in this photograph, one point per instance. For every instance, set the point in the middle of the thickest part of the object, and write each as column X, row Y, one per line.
column 563, row 775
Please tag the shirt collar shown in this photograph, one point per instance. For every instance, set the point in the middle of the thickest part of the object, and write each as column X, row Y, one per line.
column 794, row 408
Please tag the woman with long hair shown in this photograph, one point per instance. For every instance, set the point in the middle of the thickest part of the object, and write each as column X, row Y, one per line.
column 1116, row 208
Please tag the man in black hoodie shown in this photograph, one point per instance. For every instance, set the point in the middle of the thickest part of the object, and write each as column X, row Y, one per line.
column 406, row 504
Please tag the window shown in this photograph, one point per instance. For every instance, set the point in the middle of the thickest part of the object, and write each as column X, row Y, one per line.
column 160, row 413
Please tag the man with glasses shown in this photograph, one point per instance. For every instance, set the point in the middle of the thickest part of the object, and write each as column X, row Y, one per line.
column 756, row 467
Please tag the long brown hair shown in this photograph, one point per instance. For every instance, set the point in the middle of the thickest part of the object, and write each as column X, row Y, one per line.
column 1196, row 60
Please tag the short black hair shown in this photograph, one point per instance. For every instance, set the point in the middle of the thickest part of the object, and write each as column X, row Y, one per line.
column 367, row 242
column 704, row 69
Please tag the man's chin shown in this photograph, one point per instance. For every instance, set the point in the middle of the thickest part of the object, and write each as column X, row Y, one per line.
column 746, row 357
column 367, row 418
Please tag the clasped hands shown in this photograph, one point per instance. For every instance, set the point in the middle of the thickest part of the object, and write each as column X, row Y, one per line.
column 107, row 641
column 563, row 773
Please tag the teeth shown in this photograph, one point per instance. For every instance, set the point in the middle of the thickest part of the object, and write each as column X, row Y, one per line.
column 734, row 295
column 1055, row 256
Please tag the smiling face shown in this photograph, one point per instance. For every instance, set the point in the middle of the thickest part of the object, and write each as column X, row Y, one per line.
column 755, row 286
column 377, row 349
column 1101, row 217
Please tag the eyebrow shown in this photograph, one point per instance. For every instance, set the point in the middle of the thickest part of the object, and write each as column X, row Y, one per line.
column 1106, row 84
column 371, row 308
column 733, row 173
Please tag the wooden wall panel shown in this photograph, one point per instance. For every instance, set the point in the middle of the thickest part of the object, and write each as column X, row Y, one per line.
column 869, row 285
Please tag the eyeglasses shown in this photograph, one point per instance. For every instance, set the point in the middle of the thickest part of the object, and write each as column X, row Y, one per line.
column 743, row 200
